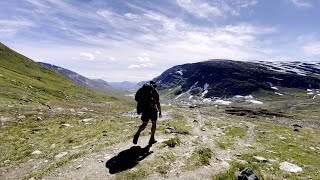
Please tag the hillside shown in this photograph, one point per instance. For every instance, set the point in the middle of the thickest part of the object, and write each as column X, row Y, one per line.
column 24, row 80
column 85, row 82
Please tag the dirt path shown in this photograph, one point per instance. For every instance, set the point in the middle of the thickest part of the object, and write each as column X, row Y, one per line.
column 93, row 166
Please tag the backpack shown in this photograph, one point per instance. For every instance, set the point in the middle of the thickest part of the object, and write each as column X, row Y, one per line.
column 145, row 98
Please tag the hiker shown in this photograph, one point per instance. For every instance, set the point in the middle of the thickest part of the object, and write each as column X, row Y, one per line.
column 148, row 106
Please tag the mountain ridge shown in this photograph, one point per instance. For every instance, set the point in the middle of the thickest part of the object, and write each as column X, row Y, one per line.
column 227, row 78
column 84, row 81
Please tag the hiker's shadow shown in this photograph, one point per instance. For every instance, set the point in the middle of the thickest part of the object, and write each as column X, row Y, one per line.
column 127, row 159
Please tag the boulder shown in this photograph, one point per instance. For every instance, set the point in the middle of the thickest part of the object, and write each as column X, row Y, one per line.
column 289, row 167
column 247, row 174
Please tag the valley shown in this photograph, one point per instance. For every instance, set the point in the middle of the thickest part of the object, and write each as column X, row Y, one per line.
column 52, row 128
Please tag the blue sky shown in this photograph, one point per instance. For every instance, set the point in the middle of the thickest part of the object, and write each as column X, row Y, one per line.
column 136, row 40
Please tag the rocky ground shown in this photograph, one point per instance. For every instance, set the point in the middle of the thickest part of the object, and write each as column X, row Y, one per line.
column 193, row 143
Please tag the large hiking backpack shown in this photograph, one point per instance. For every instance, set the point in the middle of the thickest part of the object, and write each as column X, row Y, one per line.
column 145, row 98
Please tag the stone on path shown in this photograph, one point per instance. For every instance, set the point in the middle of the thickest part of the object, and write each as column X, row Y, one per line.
column 36, row 152
column 289, row 167
column 259, row 158
column 88, row 120
column 60, row 155
column 65, row 125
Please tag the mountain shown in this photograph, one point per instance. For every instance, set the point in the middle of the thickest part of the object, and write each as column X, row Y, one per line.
column 22, row 79
column 94, row 85
column 228, row 78
column 123, row 85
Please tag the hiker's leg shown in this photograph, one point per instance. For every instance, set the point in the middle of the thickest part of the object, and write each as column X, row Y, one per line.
column 153, row 131
column 142, row 126
column 153, row 128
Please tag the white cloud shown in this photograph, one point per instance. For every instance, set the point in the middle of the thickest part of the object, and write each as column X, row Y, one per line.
column 302, row 3
column 144, row 59
column 112, row 39
column 146, row 65
column 249, row 29
column 87, row 56
column 245, row 3
column 312, row 49
column 200, row 9
column 132, row 16
column 134, row 66
column 97, row 52
column 105, row 13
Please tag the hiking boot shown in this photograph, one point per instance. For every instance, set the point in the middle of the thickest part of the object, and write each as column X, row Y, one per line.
column 135, row 138
column 152, row 141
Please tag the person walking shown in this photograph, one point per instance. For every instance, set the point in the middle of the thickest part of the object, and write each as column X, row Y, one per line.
column 148, row 106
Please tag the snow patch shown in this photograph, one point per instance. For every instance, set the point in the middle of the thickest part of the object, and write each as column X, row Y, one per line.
column 205, row 87
column 190, row 97
column 206, row 100
column 310, row 93
column 245, row 97
column 309, row 90
column 204, row 93
column 254, row 101
column 278, row 94
column 275, row 88
column 130, row 95
column 222, row 102
column 179, row 96
column 277, row 78
column 179, row 72
column 194, row 85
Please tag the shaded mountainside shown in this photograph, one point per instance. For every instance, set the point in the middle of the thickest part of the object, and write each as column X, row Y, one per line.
column 23, row 79
column 94, row 85
column 226, row 78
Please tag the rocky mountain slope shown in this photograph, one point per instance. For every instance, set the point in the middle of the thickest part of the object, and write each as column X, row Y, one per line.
column 94, row 85
column 227, row 78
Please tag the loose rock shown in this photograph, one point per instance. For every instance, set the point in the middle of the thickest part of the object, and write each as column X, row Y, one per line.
column 36, row 152
column 60, row 155
column 88, row 120
column 297, row 125
column 242, row 162
column 247, row 174
column 65, row 125
column 259, row 158
column 289, row 167
column 21, row 117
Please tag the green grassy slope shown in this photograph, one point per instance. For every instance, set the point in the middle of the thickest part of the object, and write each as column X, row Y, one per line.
column 22, row 79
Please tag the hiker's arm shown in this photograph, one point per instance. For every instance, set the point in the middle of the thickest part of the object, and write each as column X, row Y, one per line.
column 159, row 109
